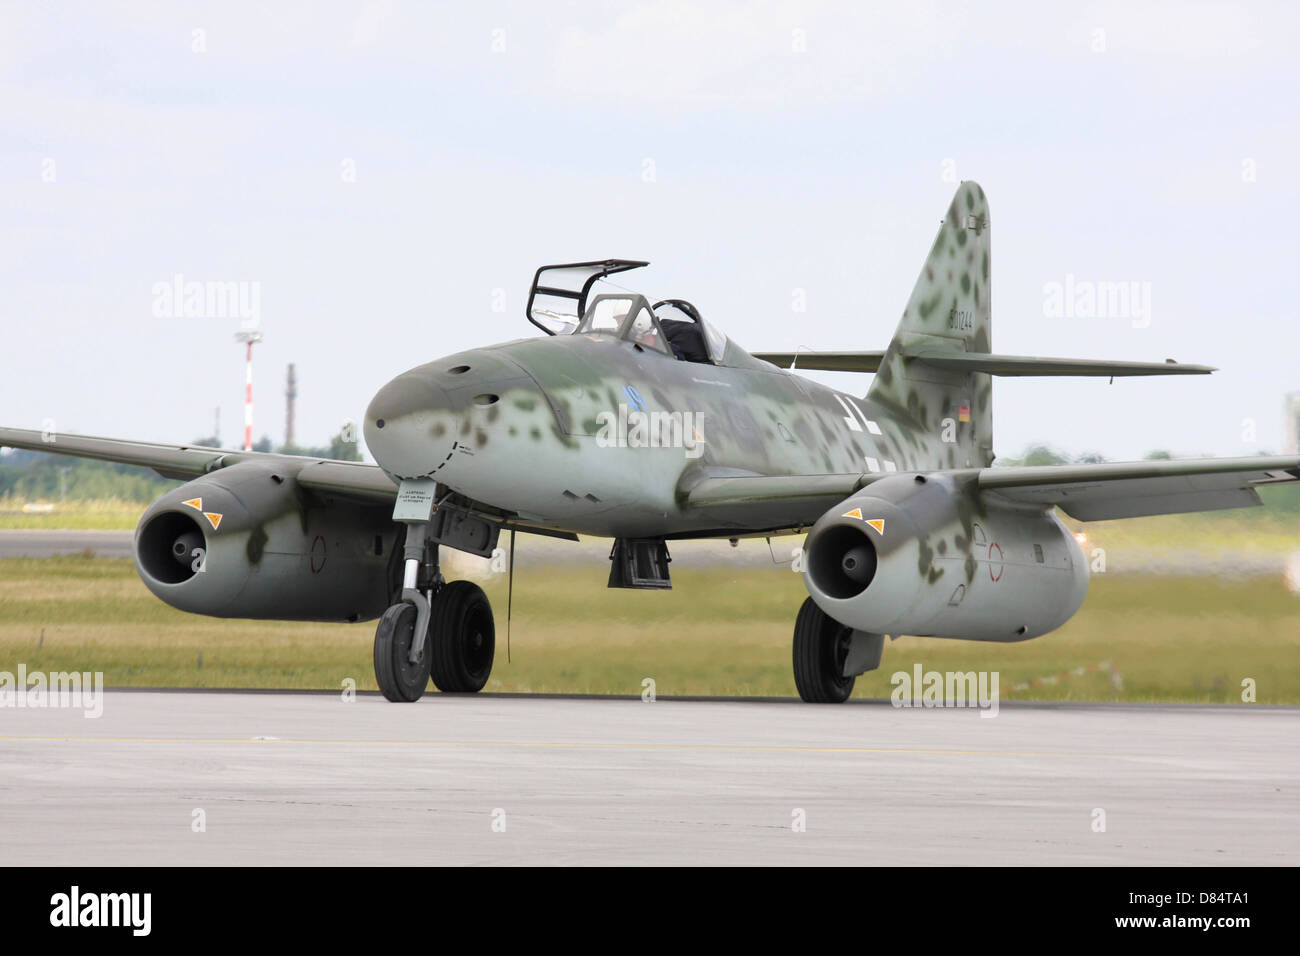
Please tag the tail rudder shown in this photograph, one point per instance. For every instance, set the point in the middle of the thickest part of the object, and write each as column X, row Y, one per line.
column 949, row 311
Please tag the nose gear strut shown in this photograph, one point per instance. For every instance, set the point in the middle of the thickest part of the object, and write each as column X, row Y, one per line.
column 439, row 629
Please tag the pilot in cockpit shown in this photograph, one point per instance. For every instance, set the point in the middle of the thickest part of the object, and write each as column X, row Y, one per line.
column 671, row 326
column 681, row 324
column 645, row 334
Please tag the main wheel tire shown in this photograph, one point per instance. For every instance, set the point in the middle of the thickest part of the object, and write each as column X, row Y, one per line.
column 821, row 646
column 462, row 635
column 399, row 680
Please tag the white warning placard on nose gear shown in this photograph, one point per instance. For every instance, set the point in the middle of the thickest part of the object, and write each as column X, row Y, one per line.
column 414, row 500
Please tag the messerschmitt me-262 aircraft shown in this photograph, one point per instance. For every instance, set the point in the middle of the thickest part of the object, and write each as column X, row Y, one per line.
column 644, row 423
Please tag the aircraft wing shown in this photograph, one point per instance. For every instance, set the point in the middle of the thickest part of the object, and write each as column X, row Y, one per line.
column 1085, row 492
column 1132, row 489
column 351, row 479
column 752, row 503
column 825, row 361
column 758, row 489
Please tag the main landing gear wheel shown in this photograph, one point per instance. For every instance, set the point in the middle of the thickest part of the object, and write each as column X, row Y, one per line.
column 399, row 679
column 821, row 646
column 462, row 637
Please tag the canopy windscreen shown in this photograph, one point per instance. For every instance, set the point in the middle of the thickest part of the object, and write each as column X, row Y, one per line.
column 558, row 297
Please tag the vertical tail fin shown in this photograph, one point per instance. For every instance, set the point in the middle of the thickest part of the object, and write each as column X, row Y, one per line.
column 948, row 311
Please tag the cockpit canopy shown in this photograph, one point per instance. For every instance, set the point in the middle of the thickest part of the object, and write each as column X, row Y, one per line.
column 558, row 305
column 557, row 301
column 690, row 338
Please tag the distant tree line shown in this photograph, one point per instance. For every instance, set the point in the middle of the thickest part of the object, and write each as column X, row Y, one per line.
column 339, row 448
column 37, row 476
column 1046, row 455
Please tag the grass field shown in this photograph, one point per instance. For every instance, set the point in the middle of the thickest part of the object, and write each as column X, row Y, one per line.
column 720, row 631
column 107, row 514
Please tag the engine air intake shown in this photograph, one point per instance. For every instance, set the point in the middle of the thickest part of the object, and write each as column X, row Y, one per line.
column 842, row 561
column 167, row 546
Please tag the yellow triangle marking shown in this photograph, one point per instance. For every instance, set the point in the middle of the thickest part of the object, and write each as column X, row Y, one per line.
column 878, row 524
column 855, row 513
column 195, row 503
column 213, row 518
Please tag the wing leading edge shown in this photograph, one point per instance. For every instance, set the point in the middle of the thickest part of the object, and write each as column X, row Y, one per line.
column 1085, row 492
column 1133, row 489
column 355, row 481
column 352, row 479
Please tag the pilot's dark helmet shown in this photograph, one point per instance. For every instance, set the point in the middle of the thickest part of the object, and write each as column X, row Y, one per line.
column 676, row 310
column 683, row 328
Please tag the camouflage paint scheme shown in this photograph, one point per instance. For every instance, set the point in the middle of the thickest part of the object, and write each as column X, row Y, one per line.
column 264, row 548
column 516, row 430
column 950, row 556
column 950, row 562
column 756, row 419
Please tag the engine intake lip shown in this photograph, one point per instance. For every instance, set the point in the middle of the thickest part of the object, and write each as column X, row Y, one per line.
column 154, row 548
column 827, row 565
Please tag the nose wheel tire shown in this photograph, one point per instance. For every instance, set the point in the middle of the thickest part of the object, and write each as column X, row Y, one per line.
column 462, row 638
column 821, row 646
column 399, row 680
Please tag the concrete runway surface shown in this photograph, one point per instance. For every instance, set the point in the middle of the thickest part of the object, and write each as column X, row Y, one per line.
column 309, row 778
column 48, row 544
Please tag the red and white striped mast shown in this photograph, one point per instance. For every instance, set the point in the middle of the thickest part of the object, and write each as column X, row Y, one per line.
column 251, row 337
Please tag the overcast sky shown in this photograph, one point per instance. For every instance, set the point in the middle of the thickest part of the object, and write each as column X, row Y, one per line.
column 390, row 174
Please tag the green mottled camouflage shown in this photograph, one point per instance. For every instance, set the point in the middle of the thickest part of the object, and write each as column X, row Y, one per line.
column 757, row 420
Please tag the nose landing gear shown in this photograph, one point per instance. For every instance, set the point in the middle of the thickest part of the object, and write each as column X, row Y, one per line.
column 463, row 637
column 443, row 630
column 400, row 679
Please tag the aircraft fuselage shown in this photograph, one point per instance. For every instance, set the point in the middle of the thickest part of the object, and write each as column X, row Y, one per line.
column 593, row 434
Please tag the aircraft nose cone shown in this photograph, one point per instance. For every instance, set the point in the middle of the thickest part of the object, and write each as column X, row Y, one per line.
column 411, row 425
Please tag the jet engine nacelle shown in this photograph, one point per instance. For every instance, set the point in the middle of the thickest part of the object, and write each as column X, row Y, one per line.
column 247, row 541
column 932, row 556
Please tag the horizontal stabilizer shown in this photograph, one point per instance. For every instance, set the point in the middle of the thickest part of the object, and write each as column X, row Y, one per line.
column 1005, row 365
column 1033, row 365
